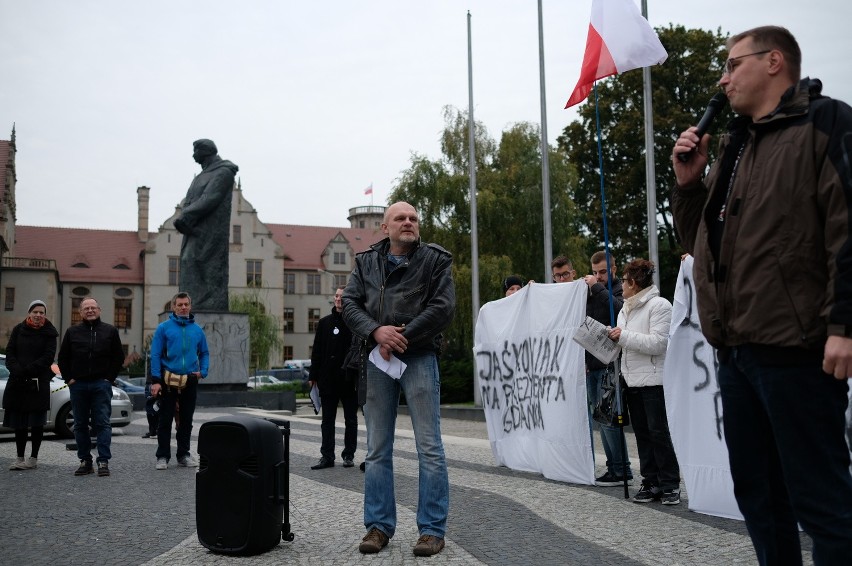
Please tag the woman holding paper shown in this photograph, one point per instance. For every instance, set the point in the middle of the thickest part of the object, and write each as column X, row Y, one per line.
column 643, row 334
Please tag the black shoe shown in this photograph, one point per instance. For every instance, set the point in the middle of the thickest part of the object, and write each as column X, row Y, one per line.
column 648, row 493
column 348, row 463
column 149, row 435
column 103, row 469
column 85, row 468
column 363, row 466
column 323, row 463
column 671, row 497
column 611, row 480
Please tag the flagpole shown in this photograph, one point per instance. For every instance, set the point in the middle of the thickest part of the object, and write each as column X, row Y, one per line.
column 545, row 158
column 650, row 168
column 474, row 238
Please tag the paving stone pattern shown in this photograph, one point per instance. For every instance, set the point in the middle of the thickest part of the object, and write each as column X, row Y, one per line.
column 141, row 516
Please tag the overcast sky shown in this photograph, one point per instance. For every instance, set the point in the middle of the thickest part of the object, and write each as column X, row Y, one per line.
column 314, row 101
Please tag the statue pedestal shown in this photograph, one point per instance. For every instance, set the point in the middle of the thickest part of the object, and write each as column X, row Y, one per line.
column 228, row 341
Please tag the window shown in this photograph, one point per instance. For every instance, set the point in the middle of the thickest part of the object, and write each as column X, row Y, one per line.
column 254, row 272
column 313, row 319
column 289, row 283
column 340, row 281
column 9, row 304
column 237, row 233
column 122, row 313
column 76, row 317
column 289, row 315
column 123, row 292
column 339, row 258
column 288, row 352
column 174, row 270
column 314, row 284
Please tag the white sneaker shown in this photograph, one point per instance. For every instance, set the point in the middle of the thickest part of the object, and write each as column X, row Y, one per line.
column 32, row 463
column 188, row 461
column 19, row 464
column 162, row 464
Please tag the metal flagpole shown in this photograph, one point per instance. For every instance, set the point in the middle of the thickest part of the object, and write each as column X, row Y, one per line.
column 474, row 239
column 650, row 170
column 545, row 160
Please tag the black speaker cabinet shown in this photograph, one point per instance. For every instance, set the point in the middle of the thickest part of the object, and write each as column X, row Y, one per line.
column 242, row 484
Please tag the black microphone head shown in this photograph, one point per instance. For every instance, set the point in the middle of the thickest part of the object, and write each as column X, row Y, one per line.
column 718, row 101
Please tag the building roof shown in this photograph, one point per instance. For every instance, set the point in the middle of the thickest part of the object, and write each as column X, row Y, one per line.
column 303, row 245
column 111, row 256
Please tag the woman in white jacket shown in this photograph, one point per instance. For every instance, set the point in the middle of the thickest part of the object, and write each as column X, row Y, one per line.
column 643, row 333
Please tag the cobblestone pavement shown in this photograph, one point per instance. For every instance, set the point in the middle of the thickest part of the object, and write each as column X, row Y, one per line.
column 141, row 516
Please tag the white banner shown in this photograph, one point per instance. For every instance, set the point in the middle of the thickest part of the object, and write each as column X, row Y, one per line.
column 694, row 407
column 532, row 378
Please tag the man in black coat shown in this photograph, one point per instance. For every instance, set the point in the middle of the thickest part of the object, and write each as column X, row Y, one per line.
column 336, row 385
column 90, row 358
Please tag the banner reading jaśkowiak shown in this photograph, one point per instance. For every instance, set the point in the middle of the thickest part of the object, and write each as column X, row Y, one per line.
column 532, row 378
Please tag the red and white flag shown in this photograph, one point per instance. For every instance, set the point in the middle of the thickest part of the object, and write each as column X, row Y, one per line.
column 369, row 190
column 619, row 40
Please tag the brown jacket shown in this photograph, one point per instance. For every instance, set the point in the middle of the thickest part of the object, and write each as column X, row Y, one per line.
column 784, row 271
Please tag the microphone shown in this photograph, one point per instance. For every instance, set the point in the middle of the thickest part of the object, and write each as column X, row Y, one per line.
column 716, row 104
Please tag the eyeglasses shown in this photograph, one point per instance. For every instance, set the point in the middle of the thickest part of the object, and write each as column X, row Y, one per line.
column 563, row 275
column 729, row 64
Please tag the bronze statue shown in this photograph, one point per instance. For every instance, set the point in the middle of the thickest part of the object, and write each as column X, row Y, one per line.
column 205, row 221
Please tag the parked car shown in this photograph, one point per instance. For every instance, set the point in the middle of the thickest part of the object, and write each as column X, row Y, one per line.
column 288, row 375
column 140, row 381
column 59, row 417
column 127, row 386
column 260, row 380
column 301, row 364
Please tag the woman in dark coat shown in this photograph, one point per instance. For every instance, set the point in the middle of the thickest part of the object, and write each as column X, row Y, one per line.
column 26, row 401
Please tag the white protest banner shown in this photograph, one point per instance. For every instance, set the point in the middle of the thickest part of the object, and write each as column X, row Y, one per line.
column 694, row 407
column 532, row 378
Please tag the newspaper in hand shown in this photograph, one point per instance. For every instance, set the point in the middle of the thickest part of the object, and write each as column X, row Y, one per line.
column 593, row 336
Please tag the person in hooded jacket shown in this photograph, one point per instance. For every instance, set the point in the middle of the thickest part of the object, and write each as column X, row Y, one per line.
column 643, row 334
column 26, row 400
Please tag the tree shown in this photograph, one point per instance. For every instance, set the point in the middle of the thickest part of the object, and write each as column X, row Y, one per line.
column 263, row 328
column 682, row 86
column 509, row 216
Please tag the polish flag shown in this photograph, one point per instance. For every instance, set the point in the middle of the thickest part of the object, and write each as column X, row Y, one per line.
column 369, row 190
column 619, row 40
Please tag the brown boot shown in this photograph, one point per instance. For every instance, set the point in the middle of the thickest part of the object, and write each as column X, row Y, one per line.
column 428, row 545
column 373, row 541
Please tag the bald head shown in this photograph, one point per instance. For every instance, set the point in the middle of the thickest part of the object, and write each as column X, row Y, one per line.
column 402, row 225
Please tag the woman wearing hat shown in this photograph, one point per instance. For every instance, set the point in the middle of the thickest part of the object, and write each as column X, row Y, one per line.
column 512, row 284
column 26, row 401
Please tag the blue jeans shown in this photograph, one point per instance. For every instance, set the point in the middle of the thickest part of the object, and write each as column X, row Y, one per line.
column 185, row 402
column 611, row 436
column 421, row 384
column 92, row 401
column 657, row 461
column 784, row 426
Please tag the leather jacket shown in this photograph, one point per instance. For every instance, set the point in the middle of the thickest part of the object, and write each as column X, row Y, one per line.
column 418, row 293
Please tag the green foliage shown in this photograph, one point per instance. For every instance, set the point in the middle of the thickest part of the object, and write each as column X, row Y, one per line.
column 681, row 88
column 263, row 328
column 457, row 380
